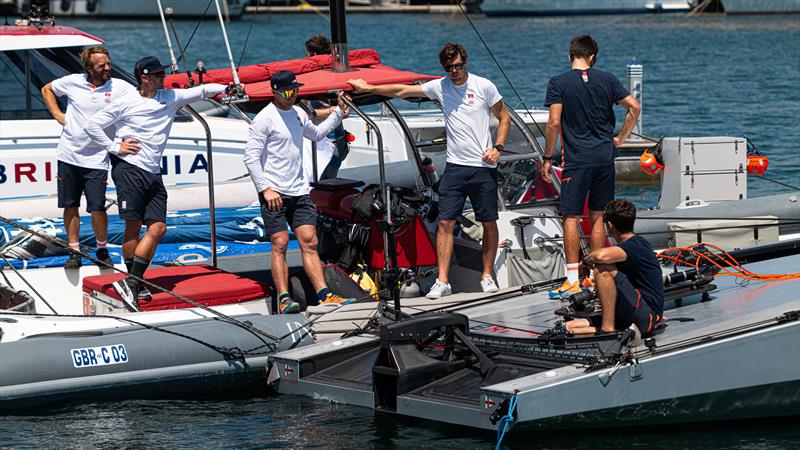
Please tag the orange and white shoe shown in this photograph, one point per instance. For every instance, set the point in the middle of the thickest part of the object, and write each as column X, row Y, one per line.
column 565, row 290
column 587, row 283
column 336, row 299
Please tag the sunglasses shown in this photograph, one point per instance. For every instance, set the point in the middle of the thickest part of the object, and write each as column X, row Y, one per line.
column 451, row 67
column 289, row 93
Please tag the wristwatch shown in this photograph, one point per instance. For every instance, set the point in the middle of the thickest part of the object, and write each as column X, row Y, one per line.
column 499, row 147
column 547, row 158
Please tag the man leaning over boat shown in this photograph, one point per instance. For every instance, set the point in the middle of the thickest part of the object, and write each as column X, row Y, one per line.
column 83, row 164
column 144, row 120
column 274, row 157
column 628, row 277
column 468, row 102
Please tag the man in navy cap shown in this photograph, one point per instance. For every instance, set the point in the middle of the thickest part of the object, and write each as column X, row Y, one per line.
column 144, row 122
column 274, row 157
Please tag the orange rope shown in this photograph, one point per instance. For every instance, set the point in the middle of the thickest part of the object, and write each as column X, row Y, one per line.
column 735, row 269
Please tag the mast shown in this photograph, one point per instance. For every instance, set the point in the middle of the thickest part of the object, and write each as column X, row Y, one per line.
column 341, row 60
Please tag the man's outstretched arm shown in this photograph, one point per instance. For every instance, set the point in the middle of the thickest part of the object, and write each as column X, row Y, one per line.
column 388, row 90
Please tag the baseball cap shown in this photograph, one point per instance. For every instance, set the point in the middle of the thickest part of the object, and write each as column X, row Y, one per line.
column 284, row 80
column 148, row 65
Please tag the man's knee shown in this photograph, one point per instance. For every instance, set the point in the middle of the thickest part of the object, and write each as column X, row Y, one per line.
column 605, row 271
column 279, row 242
column 309, row 244
column 157, row 229
column 447, row 225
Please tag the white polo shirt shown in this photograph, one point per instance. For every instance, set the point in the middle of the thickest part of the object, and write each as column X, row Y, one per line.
column 274, row 151
column 84, row 100
column 148, row 120
column 467, row 116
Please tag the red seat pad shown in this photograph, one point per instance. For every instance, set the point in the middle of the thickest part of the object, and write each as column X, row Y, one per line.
column 203, row 284
column 413, row 244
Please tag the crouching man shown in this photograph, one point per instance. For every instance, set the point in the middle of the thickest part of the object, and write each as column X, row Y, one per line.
column 628, row 277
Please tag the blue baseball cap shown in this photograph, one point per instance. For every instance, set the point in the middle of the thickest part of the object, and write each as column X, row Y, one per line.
column 148, row 65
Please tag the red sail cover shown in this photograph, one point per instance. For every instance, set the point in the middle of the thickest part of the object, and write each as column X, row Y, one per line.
column 313, row 72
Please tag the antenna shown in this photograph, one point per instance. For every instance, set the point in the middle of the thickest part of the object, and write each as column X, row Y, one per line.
column 238, row 95
column 173, row 62
column 168, row 12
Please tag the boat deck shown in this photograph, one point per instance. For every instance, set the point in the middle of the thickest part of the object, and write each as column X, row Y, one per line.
column 703, row 335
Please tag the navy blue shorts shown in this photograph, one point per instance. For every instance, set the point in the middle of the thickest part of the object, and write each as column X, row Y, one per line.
column 631, row 308
column 141, row 195
column 597, row 182
column 73, row 181
column 296, row 211
column 477, row 183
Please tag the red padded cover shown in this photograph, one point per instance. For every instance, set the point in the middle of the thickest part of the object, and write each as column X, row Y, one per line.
column 203, row 284
column 414, row 246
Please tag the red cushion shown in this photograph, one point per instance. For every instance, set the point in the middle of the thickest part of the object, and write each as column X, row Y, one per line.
column 203, row 284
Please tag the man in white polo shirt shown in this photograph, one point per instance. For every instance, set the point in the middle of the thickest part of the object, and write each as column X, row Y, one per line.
column 468, row 102
column 274, row 157
column 144, row 121
column 82, row 164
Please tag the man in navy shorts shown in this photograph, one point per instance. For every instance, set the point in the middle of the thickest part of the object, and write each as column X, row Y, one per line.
column 274, row 158
column 581, row 105
column 628, row 277
column 82, row 164
column 468, row 102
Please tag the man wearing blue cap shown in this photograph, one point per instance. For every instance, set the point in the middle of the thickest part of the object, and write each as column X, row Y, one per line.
column 274, row 157
column 144, row 122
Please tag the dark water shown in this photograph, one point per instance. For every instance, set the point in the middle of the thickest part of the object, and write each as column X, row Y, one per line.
column 704, row 76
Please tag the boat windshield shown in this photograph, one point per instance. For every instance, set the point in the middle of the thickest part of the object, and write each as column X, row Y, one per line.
column 23, row 73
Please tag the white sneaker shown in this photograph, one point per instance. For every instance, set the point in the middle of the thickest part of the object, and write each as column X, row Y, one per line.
column 439, row 290
column 488, row 284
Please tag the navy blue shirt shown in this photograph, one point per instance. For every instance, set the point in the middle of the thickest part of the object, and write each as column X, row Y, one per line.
column 587, row 119
column 644, row 272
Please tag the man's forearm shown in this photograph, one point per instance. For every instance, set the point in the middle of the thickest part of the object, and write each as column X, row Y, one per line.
column 502, row 130
column 550, row 138
column 51, row 103
column 627, row 126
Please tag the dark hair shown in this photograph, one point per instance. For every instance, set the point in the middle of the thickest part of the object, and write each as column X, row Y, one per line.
column 318, row 45
column 449, row 53
column 621, row 214
column 582, row 46
column 86, row 55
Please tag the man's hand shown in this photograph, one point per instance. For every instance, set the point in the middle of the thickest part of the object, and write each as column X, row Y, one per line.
column 617, row 141
column 273, row 199
column 235, row 90
column 342, row 105
column 491, row 155
column 129, row 146
column 60, row 118
column 544, row 171
column 359, row 85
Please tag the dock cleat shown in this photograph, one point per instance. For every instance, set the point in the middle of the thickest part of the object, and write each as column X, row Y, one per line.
column 288, row 306
column 565, row 290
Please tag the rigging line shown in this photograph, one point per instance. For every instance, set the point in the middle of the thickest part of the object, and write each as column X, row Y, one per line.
column 792, row 219
column 778, row 182
column 25, row 280
column 246, row 39
column 63, row 244
column 481, row 322
column 501, row 69
column 199, row 21
column 645, row 137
